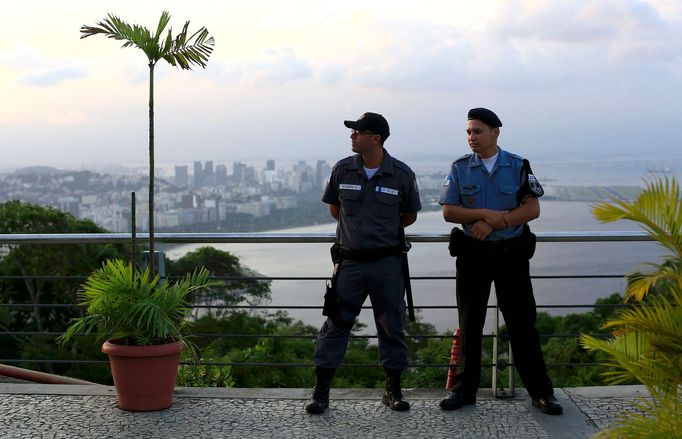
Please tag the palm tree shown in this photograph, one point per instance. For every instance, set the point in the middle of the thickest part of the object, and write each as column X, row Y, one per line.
column 646, row 337
column 182, row 51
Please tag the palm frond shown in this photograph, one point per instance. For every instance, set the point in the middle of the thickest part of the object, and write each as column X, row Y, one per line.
column 657, row 209
column 125, row 303
column 183, row 51
column 651, row 419
column 646, row 345
column 186, row 52
column 115, row 28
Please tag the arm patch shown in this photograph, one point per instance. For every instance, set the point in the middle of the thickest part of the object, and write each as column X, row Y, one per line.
column 530, row 185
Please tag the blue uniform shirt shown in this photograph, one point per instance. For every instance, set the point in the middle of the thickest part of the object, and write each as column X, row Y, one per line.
column 370, row 209
column 470, row 185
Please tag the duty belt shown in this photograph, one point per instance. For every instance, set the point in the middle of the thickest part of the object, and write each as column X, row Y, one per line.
column 369, row 254
column 500, row 244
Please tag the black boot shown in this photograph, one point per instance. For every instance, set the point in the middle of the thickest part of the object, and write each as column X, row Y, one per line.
column 393, row 396
column 320, row 400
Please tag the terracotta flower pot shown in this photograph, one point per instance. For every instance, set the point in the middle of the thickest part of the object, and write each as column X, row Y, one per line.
column 144, row 376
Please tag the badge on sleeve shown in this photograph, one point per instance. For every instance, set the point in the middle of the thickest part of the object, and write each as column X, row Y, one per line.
column 533, row 182
column 535, row 185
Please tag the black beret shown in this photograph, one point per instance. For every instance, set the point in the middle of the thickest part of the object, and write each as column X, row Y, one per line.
column 486, row 116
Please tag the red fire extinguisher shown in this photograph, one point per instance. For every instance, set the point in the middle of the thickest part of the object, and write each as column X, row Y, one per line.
column 453, row 370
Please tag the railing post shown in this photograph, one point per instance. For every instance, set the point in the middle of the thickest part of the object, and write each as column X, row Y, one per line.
column 159, row 264
column 501, row 392
column 496, row 331
column 512, row 369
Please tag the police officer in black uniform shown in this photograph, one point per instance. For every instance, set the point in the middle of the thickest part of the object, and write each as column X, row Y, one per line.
column 373, row 196
column 493, row 194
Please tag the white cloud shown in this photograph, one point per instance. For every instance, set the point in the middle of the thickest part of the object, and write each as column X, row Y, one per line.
column 279, row 67
column 52, row 76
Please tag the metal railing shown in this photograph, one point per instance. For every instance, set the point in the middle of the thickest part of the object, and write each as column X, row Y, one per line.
column 304, row 238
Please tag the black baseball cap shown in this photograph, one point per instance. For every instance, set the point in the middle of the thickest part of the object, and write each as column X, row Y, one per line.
column 373, row 122
column 486, row 116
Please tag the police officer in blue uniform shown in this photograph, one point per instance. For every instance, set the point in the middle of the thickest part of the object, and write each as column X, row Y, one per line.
column 494, row 194
column 373, row 196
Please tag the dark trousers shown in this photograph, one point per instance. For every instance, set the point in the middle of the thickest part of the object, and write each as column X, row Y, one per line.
column 382, row 281
column 508, row 267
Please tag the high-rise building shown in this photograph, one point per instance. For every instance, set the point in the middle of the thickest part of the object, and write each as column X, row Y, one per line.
column 270, row 165
column 181, row 176
column 322, row 173
column 221, row 174
column 238, row 171
column 198, row 174
column 209, row 177
column 249, row 175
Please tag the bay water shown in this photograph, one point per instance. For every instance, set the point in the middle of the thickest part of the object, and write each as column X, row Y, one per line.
column 433, row 260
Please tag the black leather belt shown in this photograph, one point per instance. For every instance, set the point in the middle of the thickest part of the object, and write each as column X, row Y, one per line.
column 369, row 254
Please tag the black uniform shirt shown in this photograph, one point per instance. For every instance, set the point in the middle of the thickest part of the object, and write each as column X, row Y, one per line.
column 370, row 211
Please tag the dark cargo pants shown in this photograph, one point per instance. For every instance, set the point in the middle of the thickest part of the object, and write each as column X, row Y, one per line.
column 381, row 280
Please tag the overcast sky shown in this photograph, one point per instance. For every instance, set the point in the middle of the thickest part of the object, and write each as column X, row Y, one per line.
column 569, row 79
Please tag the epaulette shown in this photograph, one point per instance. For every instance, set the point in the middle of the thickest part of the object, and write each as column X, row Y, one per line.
column 464, row 157
column 343, row 162
column 515, row 156
column 401, row 165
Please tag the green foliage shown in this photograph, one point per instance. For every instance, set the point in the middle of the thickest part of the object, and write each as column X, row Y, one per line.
column 127, row 304
column 69, row 260
column 221, row 263
column 658, row 211
column 260, row 350
column 200, row 375
column 646, row 337
column 181, row 51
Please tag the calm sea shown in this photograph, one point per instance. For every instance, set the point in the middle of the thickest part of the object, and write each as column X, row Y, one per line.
column 432, row 259
column 427, row 259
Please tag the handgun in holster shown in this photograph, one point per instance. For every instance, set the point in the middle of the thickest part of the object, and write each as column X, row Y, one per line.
column 332, row 303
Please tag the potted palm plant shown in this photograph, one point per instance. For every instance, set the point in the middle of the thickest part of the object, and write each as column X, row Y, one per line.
column 145, row 325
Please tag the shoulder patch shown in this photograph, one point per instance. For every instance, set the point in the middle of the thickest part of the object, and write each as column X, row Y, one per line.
column 533, row 182
column 535, row 185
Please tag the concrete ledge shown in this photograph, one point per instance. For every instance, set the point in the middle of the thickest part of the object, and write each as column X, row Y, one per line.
column 630, row 391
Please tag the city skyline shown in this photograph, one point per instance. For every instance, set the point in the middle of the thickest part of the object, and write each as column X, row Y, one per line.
column 569, row 80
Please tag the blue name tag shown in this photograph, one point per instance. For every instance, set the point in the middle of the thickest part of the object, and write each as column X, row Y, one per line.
column 386, row 190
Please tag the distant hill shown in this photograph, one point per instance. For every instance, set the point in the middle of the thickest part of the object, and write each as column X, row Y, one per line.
column 40, row 170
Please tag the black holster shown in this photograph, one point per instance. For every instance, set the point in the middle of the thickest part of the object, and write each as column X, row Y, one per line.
column 529, row 241
column 332, row 303
column 457, row 242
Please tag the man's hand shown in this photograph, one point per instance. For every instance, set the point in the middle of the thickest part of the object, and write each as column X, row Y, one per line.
column 495, row 218
column 480, row 230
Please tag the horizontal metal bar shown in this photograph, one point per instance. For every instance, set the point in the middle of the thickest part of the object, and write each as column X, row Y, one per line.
column 319, row 278
column 263, row 364
column 294, row 336
column 549, row 306
column 303, row 238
